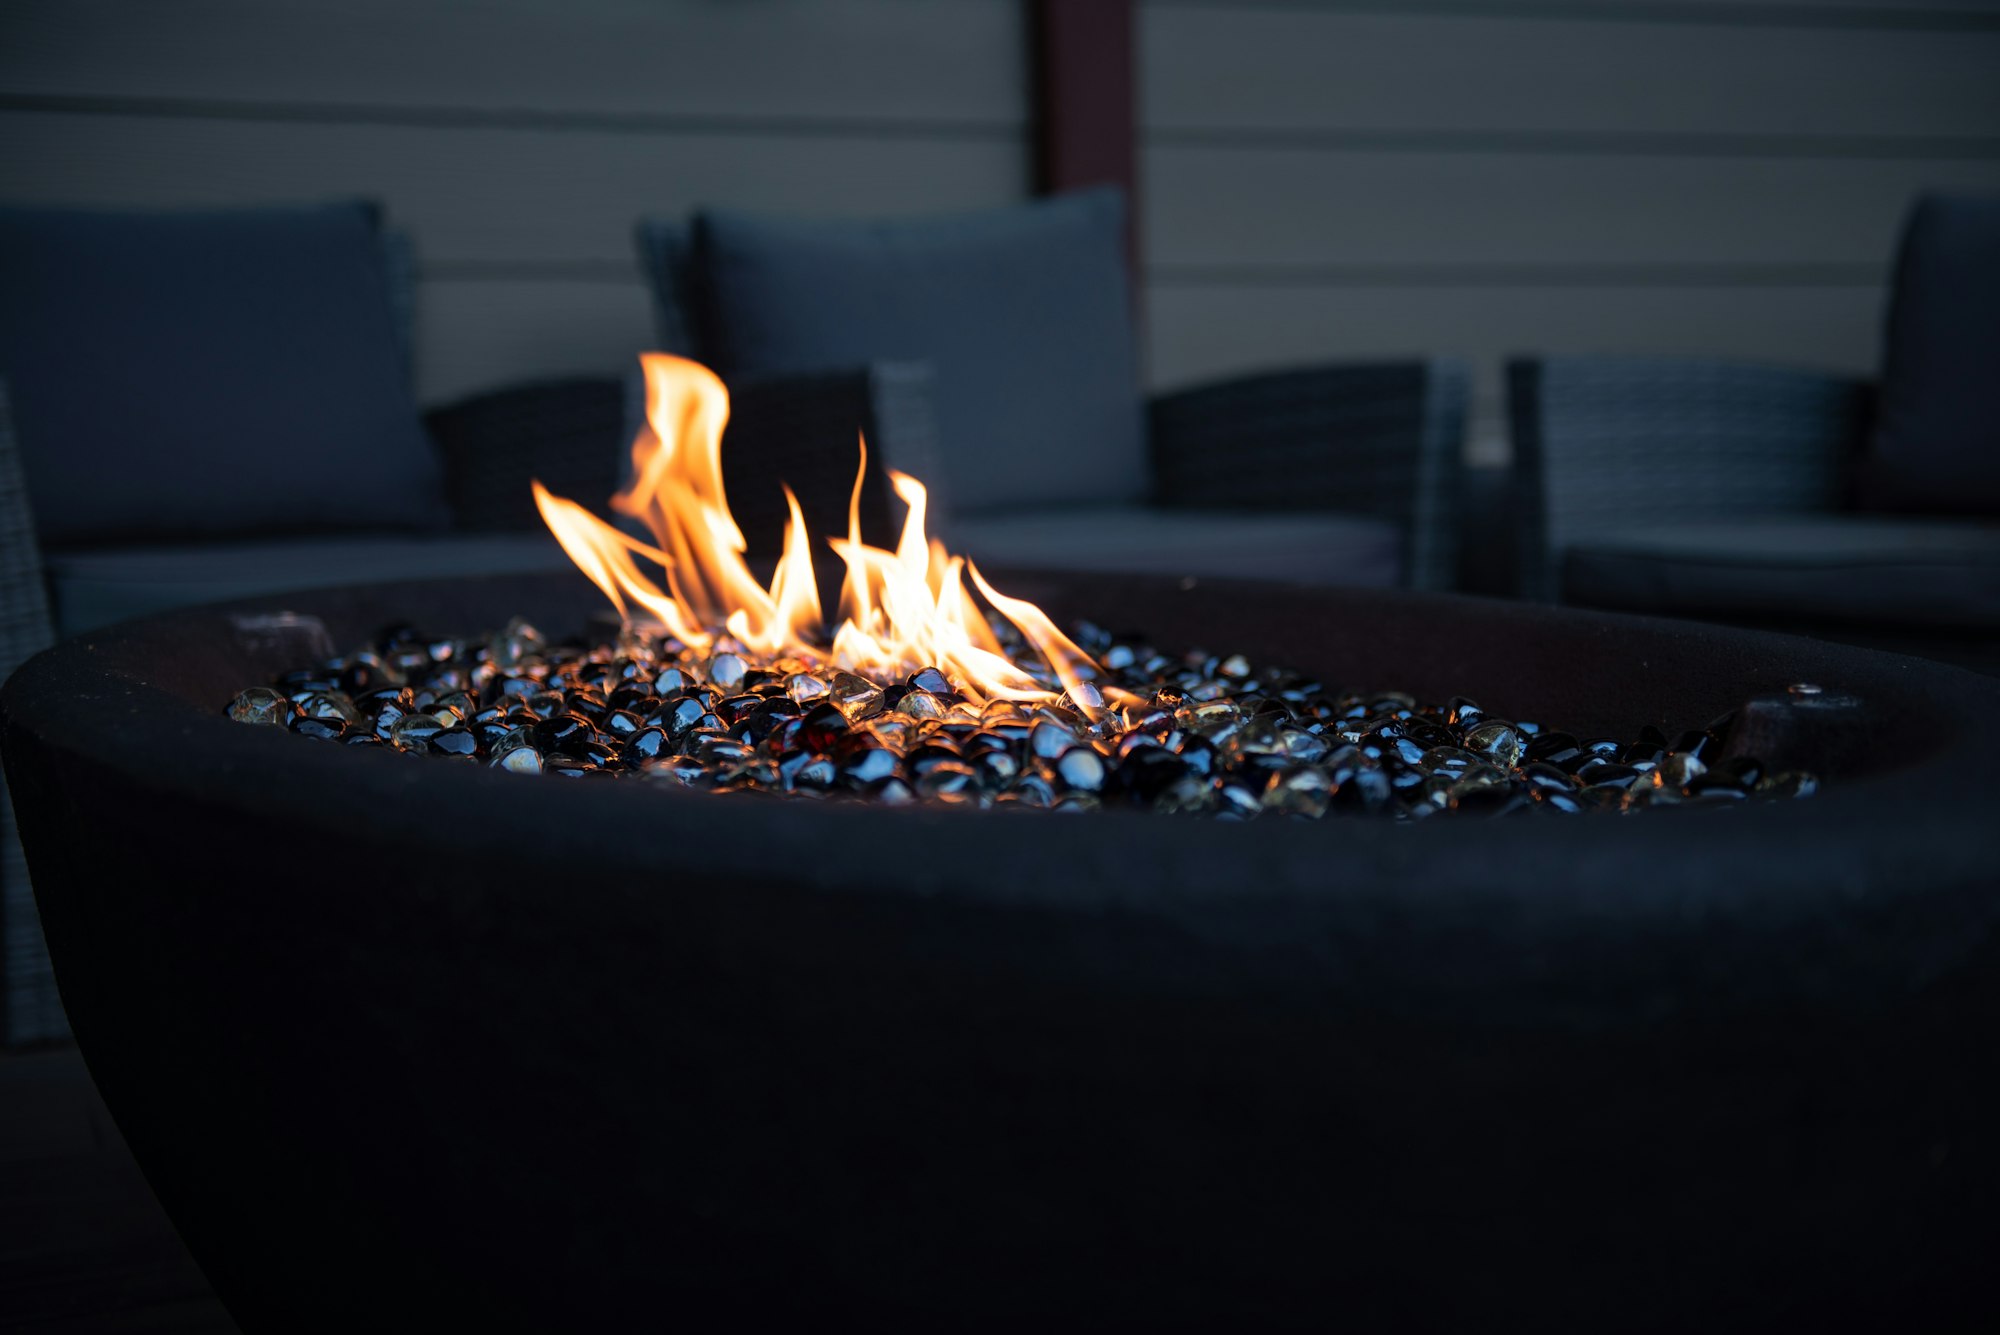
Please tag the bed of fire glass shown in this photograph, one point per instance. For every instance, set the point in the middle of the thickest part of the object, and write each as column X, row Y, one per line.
column 922, row 692
column 386, row 1023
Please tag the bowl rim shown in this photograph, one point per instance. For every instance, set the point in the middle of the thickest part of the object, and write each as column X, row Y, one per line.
column 100, row 699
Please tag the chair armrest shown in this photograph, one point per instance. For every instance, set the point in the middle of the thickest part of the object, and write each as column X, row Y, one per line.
column 1380, row 439
column 1603, row 443
column 30, row 1010
column 25, row 627
column 567, row 433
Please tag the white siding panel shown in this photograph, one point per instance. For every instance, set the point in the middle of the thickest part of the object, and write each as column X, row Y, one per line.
column 495, row 196
column 483, row 334
column 1223, row 206
column 1199, row 332
column 1300, row 68
column 891, row 60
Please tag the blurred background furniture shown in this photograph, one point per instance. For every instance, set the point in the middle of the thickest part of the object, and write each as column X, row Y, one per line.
column 1783, row 498
column 217, row 403
column 1045, row 451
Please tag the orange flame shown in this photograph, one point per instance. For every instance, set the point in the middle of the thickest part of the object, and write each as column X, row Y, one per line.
column 900, row 610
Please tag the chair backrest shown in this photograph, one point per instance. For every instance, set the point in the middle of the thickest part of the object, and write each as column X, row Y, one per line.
column 1382, row 439
column 1936, row 443
column 208, row 374
column 1605, row 443
column 1023, row 313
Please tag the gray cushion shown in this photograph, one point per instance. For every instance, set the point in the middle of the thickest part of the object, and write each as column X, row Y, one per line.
column 218, row 373
column 96, row 587
column 1937, row 437
column 1317, row 549
column 1849, row 568
column 1023, row 314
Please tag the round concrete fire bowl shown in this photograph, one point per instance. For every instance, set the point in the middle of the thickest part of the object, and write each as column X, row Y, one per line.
column 482, row 1050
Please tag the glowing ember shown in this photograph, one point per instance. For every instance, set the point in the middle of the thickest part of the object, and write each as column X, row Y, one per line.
column 900, row 610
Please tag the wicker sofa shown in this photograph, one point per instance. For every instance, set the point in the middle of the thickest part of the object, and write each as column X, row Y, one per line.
column 1337, row 474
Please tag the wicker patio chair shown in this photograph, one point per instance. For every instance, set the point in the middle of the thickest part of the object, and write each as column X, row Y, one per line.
column 1381, row 440
column 1723, row 491
column 1604, row 445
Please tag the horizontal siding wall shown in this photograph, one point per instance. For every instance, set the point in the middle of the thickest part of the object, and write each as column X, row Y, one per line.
column 1688, row 176
column 517, row 141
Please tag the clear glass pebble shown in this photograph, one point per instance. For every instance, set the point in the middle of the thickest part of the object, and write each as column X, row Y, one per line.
column 804, row 688
column 262, row 705
column 515, row 645
column 413, row 732
column 726, row 670
column 333, row 705
column 1679, row 770
column 1085, row 699
column 516, row 753
column 1299, row 792
column 897, row 734
column 931, row 680
column 920, row 704
column 948, row 777
column 1497, row 741
column 1049, row 740
column 1081, row 769
column 894, row 792
column 856, row 697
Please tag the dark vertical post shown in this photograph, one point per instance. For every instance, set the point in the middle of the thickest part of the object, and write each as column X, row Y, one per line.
column 1086, row 102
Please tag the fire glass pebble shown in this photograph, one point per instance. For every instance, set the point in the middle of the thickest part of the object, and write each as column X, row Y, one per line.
column 1219, row 736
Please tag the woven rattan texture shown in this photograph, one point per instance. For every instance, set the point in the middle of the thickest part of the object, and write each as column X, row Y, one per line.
column 568, row 434
column 1377, row 440
column 1603, row 443
column 804, row 432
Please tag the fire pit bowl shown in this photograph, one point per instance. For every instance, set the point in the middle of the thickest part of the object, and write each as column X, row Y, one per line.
column 492, row 1050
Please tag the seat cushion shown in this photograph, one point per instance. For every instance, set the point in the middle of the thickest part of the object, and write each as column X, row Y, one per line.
column 1022, row 313
column 1336, row 549
column 96, row 587
column 1836, row 568
column 1936, row 447
column 203, row 374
